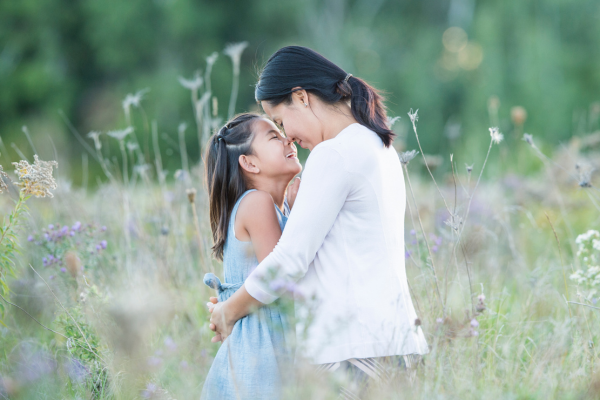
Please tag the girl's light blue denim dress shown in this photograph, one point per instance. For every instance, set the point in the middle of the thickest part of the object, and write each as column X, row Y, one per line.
column 252, row 362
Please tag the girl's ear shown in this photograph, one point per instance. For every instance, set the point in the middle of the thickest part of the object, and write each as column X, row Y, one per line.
column 248, row 164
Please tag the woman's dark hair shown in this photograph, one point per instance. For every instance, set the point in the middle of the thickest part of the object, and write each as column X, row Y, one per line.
column 296, row 66
column 224, row 176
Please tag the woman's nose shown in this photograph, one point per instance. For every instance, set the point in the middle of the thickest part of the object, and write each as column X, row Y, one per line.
column 289, row 141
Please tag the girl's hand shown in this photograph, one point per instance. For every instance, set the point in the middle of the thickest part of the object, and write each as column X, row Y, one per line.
column 292, row 192
column 220, row 323
column 211, row 305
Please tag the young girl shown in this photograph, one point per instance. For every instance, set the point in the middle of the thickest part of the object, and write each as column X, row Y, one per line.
column 249, row 166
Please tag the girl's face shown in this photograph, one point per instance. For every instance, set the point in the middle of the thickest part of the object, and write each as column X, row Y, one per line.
column 273, row 154
column 299, row 122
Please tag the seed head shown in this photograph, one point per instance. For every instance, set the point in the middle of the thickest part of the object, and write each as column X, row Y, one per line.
column 121, row 134
column 496, row 135
column 469, row 168
column 192, row 84
column 210, row 60
column 391, row 121
column 3, row 174
column 528, row 138
column 413, row 116
column 96, row 136
column 134, row 99
column 235, row 50
column 36, row 179
column 191, row 193
column 406, row 156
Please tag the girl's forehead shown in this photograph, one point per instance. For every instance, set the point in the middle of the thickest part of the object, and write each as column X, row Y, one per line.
column 265, row 125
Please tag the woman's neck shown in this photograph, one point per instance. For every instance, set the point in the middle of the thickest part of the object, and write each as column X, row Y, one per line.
column 275, row 188
column 336, row 119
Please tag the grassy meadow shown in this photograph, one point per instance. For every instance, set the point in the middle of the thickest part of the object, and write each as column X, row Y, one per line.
column 104, row 295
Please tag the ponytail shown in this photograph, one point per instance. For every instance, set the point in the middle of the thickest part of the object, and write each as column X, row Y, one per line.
column 224, row 177
column 296, row 66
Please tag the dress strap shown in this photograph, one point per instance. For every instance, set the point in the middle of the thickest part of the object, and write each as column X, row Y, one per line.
column 234, row 211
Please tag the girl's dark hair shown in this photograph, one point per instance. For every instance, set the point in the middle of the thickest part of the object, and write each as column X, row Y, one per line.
column 296, row 66
column 224, row 176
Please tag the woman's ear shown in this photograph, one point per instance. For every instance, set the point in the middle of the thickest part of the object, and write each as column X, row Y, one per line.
column 248, row 164
column 300, row 96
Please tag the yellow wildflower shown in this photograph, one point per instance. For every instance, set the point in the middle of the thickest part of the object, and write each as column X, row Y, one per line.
column 36, row 179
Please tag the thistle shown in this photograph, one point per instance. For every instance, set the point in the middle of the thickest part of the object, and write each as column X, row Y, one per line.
column 36, row 179
column 192, row 84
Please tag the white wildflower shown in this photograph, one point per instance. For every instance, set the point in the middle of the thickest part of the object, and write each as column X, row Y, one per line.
column 36, row 179
column 234, row 51
column 132, row 146
column 192, row 84
column 96, row 136
column 134, row 99
column 121, row 134
column 406, row 156
column 210, row 60
column 496, row 135
column 455, row 222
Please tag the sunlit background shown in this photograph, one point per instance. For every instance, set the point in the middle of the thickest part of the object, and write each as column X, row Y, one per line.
column 537, row 62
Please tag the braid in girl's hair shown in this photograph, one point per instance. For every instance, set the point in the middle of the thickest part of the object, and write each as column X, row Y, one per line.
column 224, row 177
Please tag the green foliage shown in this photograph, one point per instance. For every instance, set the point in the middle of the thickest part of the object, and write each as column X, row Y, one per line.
column 9, row 247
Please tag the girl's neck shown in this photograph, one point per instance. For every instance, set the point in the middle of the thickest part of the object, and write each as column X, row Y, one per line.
column 275, row 188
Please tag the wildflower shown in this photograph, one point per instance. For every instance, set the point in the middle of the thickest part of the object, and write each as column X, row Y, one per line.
column 3, row 174
column 63, row 269
column 391, row 121
column 474, row 323
column 235, row 50
column 131, row 146
column 480, row 307
column 528, row 138
column 413, row 232
column 406, row 156
column 469, row 168
column 103, row 244
column 76, row 226
column 585, row 177
column 36, row 179
column 474, row 332
column 192, row 84
column 210, row 60
column 96, row 137
column 407, row 254
column 134, row 99
column 30, row 238
column 496, row 135
column 103, row 228
column 121, row 134
column 98, row 247
column 439, row 320
column 191, row 193
column 170, row 343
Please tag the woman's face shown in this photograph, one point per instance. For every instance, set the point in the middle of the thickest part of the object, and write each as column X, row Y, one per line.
column 298, row 121
column 274, row 154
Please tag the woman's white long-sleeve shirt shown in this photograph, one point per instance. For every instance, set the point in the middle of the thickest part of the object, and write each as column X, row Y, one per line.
column 344, row 245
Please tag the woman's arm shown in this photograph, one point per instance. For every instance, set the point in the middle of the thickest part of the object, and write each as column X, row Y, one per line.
column 325, row 187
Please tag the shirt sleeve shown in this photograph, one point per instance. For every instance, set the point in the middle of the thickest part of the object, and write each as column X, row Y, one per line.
column 323, row 191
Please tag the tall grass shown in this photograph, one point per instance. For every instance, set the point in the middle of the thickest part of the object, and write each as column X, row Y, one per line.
column 127, row 318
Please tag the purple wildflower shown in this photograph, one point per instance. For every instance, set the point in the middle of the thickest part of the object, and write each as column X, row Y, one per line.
column 170, row 343
column 434, row 249
column 30, row 238
column 51, row 277
column 76, row 226
column 154, row 361
column 103, row 228
column 103, row 244
column 474, row 323
column 407, row 254
column 413, row 232
column 63, row 269
column 72, row 233
column 98, row 247
column 50, row 226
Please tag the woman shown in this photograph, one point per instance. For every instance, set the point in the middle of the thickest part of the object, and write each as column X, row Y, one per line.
column 344, row 240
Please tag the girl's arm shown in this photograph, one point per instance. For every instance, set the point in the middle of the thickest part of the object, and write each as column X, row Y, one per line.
column 256, row 221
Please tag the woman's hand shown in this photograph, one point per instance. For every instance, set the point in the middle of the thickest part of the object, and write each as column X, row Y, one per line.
column 292, row 192
column 220, row 321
